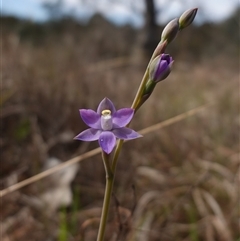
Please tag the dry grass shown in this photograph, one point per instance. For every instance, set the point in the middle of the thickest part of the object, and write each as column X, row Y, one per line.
column 178, row 183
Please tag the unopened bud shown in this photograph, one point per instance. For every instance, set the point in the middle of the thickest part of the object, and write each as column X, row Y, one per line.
column 160, row 68
column 170, row 31
column 187, row 18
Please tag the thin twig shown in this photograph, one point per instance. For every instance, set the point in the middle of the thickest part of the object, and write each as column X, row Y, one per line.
column 49, row 171
column 98, row 150
column 174, row 119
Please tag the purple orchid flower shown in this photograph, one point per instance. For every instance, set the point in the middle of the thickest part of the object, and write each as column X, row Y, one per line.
column 160, row 67
column 106, row 125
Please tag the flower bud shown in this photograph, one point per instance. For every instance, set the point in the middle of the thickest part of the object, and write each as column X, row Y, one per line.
column 187, row 18
column 160, row 67
column 170, row 31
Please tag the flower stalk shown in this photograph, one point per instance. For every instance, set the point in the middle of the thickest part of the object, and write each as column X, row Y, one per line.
column 140, row 98
column 107, row 123
column 110, row 180
column 107, row 195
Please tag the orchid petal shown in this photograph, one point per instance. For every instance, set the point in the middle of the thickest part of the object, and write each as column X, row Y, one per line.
column 107, row 141
column 91, row 118
column 166, row 57
column 122, row 117
column 89, row 135
column 126, row 133
column 163, row 65
column 106, row 104
column 106, row 133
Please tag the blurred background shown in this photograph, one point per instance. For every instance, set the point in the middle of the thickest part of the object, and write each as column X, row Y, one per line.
column 180, row 182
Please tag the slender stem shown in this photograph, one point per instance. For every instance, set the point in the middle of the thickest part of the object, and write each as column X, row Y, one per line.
column 107, row 196
column 110, row 170
column 106, row 162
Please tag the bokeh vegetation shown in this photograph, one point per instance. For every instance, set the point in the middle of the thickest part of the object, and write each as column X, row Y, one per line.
column 178, row 183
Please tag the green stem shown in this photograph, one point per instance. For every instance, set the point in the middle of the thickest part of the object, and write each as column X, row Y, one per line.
column 107, row 196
